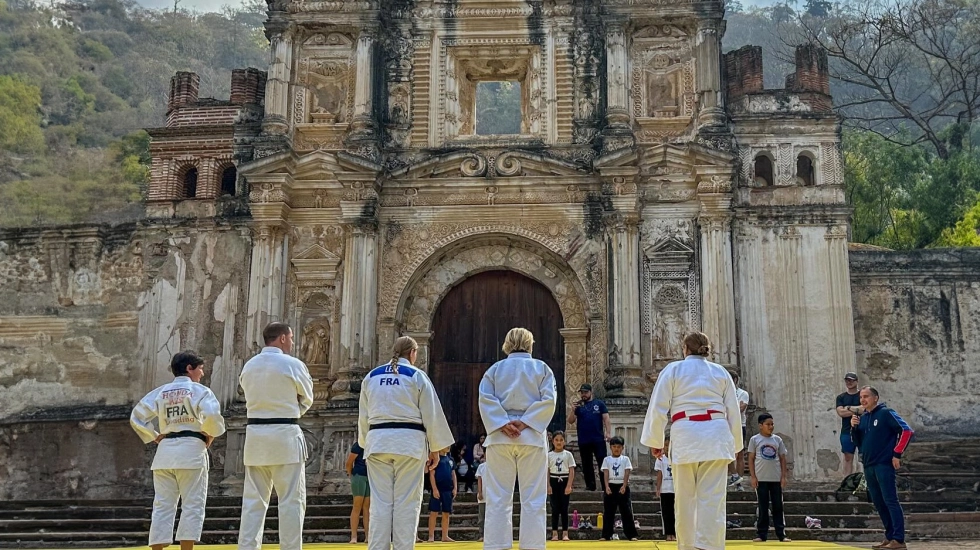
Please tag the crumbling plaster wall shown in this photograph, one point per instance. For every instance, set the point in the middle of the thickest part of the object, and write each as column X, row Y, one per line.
column 917, row 327
column 82, row 311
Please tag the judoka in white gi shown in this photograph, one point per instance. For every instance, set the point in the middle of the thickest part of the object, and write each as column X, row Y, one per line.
column 699, row 397
column 517, row 402
column 278, row 391
column 401, row 427
column 188, row 418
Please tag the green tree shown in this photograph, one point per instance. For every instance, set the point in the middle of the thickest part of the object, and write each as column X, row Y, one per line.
column 967, row 230
column 20, row 116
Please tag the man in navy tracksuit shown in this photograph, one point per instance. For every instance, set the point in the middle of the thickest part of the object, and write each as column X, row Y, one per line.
column 882, row 436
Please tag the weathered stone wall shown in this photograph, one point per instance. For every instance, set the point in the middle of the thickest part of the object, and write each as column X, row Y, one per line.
column 89, row 317
column 917, row 327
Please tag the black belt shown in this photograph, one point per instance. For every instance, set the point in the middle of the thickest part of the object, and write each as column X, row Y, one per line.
column 398, row 426
column 265, row 421
column 187, row 433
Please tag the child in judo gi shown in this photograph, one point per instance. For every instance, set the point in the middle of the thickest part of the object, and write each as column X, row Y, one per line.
column 182, row 418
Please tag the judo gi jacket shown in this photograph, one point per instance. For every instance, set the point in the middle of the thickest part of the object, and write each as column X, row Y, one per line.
column 180, row 406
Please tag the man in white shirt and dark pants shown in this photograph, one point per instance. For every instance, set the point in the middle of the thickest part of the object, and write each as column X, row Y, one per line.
column 699, row 397
column 278, row 391
column 517, row 402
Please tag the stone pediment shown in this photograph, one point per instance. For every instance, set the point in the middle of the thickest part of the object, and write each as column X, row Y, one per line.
column 489, row 164
column 316, row 263
column 317, row 165
column 683, row 160
column 670, row 254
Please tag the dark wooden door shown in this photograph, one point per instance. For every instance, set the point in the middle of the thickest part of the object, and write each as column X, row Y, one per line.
column 468, row 332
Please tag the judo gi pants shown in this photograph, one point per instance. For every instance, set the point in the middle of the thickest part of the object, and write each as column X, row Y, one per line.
column 396, row 500
column 503, row 463
column 700, row 490
column 190, row 486
column 289, row 481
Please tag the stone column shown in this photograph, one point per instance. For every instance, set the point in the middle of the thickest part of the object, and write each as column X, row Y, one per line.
column 364, row 83
column 617, row 79
column 266, row 287
column 277, row 85
column 753, row 307
column 423, row 339
column 576, row 370
column 707, row 48
column 624, row 377
column 717, row 280
column 358, row 306
column 842, row 315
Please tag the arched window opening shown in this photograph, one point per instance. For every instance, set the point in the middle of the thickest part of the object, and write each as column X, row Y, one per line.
column 229, row 177
column 190, row 183
column 804, row 170
column 763, row 170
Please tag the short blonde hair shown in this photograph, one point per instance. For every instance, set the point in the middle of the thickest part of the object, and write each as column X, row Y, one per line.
column 518, row 339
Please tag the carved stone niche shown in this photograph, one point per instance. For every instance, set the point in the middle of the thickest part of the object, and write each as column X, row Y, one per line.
column 671, row 303
column 662, row 82
column 467, row 66
column 324, row 96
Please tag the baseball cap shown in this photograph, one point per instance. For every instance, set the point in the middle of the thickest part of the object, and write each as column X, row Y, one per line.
column 585, row 387
column 850, row 376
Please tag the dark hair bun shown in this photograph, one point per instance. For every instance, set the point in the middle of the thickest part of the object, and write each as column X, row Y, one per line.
column 704, row 350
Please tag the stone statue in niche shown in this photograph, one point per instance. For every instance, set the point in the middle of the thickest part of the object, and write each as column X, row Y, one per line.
column 316, row 344
column 661, row 339
column 328, row 83
column 662, row 95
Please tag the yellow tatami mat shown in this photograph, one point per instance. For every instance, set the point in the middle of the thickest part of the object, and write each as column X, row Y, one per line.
column 570, row 545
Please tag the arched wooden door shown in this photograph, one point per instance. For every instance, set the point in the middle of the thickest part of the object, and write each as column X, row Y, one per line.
column 468, row 332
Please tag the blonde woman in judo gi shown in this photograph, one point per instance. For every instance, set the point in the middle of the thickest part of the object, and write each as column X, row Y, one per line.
column 278, row 391
column 401, row 427
column 188, row 418
column 517, row 402
column 699, row 397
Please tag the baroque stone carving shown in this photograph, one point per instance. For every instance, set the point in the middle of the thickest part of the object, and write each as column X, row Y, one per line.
column 316, row 342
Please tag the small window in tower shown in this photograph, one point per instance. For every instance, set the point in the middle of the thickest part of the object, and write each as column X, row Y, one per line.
column 190, row 183
column 498, row 108
column 763, row 170
column 228, row 179
column 804, row 169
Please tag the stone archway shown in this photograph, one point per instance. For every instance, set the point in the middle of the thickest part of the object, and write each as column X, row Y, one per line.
column 445, row 268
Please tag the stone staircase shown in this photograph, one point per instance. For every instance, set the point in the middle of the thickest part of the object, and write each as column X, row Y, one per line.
column 950, row 513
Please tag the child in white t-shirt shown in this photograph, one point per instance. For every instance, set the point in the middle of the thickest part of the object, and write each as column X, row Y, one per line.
column 481, row 470
column 665, row 490
column 561, row 475
column 616, row 478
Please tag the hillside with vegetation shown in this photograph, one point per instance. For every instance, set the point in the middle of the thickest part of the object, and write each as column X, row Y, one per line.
column 79, row 80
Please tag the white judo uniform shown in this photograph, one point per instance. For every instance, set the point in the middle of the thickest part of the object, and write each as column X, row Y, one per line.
column 699, row 397
column 180, row 466
column 278, row 391
column 517, row 388
column 400, row 421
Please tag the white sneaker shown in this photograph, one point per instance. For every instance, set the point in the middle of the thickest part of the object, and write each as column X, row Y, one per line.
column 734, row 478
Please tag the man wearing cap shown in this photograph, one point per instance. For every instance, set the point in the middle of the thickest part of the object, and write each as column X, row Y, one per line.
column 594, row 429
column 848, row 404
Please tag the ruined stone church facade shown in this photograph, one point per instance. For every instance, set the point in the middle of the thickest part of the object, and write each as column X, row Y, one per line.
column 654, row 187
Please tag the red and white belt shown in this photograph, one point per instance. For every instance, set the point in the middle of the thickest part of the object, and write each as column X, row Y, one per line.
column 701, row 417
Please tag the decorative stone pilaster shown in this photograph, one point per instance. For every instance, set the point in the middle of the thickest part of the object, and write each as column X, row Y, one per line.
column 624, row 374
column 717, row 280
column 277, row 85
column 752, row 306
column 617, row 81
column 359, row 301
column 576, row 369
column 707, row 46
column 363, row 122
column 266, row 289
